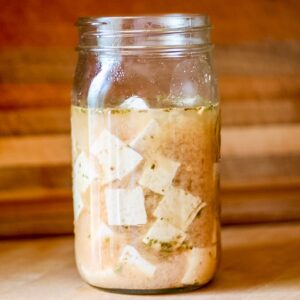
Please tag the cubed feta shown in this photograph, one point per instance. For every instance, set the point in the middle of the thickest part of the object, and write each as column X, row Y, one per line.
column 135, row 103
column 105, row 232
column 132, row 257
column 201, row 264
column 115, row 157
column 178, row 208
column 164, row 236
column 84, row 172
column 77, row 203
column 125, row 206
column 95, row 221
column 158, row 174
column 94, row 275
column 145, row 139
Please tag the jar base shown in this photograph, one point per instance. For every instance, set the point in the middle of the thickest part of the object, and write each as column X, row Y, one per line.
column 176, row 290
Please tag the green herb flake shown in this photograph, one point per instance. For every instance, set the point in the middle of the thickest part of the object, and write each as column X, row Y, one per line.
column 83, row 110
column 118, row 268
column 119, row 111
column 191, row 109
column 153, row 166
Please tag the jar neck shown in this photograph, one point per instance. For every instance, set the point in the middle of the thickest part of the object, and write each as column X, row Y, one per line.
column 148, row 34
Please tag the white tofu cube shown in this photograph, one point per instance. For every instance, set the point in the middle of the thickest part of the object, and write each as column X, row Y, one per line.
column 201, row 265
column 164, row 236
column 125, row 206
column 95, row 275
column 105, row 232
column 132, row 257
column 84, row 172
column 95, row 221
column 115, row 157
column 145, row 139
column 158, row 174
column 77, row 203
column 178, row 208
column 135, row 103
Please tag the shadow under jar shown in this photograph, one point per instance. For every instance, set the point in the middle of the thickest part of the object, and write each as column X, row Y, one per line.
column 145, row 146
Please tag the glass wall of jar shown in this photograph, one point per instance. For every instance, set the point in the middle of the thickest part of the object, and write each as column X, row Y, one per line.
column 145, row 146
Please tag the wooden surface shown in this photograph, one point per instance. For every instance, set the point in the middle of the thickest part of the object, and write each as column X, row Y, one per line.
column 258, row 262
column 258, row 65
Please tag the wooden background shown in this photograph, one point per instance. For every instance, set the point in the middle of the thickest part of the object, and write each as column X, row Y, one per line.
column 257, row 58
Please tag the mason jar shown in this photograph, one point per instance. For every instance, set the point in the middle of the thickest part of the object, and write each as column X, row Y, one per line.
column 145, row 146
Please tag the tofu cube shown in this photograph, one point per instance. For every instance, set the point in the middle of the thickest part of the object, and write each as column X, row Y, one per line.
column 77, row 203
column 125, row 206
column 178, row 208
column 95, row 221
column 158, row 174
column 84, row 172
column 132, row 257
column 135, row 103
column 164, row 236
column 115, row 157
column 145, row 139
column 105, row 232
column 201, row 265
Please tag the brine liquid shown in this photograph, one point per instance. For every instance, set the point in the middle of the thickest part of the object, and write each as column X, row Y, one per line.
column 145, row 196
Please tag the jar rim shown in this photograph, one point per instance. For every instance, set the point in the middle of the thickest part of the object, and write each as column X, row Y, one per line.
column 160, row 32
column 191, row 20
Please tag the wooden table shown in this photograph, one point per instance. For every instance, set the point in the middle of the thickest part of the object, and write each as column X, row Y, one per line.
column 259, row 262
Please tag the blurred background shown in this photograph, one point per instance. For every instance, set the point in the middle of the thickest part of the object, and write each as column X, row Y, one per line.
column 257, row 58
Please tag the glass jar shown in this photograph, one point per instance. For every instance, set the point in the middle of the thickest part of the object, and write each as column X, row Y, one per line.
column 145, row 146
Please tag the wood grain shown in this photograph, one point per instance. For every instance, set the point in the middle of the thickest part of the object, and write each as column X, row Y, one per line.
column 264, row 58
column 36, row 211
column 253, row 189
column 260, row 179
column 52, row 25
column 258, row 262
column 243, row 141
column 56, row 65
column 260, row 140
column 35, row 121
column 36, row 95
column 260, row 205
column 35, row 150
column 257, row 87
column 260, row 172
column 56, row 120
column 257, row 60
column 36, row 65
column 258, row 111
column 14, row 179
column 237, row 174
